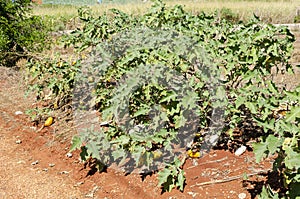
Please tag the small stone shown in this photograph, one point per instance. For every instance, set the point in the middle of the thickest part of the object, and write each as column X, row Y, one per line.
column 18, row 141
column 21, row 162
column 78, row 184
column 242, row 196
column 193, row 194
column 18, row 113
column 51, row 165
column 45, row 169
column 240, row 150
column 69, row 155
column 195, row 162
column 105, row 123
column 64, row 172
column 35, row 162
column 33, row 128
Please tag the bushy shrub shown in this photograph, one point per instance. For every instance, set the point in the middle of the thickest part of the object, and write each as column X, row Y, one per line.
column 154, row 77
column 20, row 33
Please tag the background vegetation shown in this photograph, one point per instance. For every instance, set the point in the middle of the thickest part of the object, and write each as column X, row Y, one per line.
column 272, row 11
column 20, row 33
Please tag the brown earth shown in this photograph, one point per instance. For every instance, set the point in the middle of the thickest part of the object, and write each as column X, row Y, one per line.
column 35, row 165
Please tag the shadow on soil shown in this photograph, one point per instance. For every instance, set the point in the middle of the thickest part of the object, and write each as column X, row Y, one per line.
column 272, row 178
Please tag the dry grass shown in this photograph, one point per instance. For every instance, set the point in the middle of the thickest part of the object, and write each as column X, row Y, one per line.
column 273, row 11
column 69, row 10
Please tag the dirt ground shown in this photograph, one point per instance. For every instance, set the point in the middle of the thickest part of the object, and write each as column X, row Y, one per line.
column 35, row 165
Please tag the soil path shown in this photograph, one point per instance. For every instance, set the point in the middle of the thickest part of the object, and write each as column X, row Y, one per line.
column 19, row 177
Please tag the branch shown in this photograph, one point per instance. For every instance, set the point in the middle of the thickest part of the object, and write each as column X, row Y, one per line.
column 229, row 179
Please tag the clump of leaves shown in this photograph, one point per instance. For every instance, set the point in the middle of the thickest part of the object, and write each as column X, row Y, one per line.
column 20, row 33
column 52, row 80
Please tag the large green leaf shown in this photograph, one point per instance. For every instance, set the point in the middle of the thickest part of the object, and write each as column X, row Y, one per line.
column 76, row 143
column 180, row 180
column 292, row 159
column 273, row 143
column 93, row 150
column 252, row 107
column 163, row 176
column 293, row 114
column 142, row 111
column 260, row 150
column 179, row 121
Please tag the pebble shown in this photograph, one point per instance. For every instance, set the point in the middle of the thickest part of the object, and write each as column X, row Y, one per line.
column 33, row 128
column 51, row 165
column 64, row 172
column 69, row 155
column 35, row 162
column 18, row 113
column 195, row 162
column 78, row 184
column 21, row 162
column 240, row 150
column 242, row 196
column 193, row 194
column 18, row 141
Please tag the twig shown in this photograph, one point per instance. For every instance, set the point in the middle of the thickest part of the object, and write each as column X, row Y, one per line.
column 40, row 128
column 208, row 162
column 228, row 179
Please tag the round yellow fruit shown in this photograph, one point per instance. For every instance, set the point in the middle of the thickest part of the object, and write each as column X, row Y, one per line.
column 156, row 154
column 192, row 154
column 49, row 121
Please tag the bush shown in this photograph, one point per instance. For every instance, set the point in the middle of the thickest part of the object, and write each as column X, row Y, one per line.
column 20, row 33
column 171, row 73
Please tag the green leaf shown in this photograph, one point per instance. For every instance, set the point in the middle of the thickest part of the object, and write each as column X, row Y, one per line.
column 292, row 159
column 179, row 121
column 121, row 140
column 142, row 111
column 189, row 100
column 260, row 151
column 293, row 114
column 272, row 143
column 76, row 143
column 180, row 180
column 252, row 107
column 272, row 87
column 169, row 97
column 267, row 193
column 266, row 124
column 239, row 101
column 293, row 95
column 163, row 176
column 93, row 150
column 220, row 93
column 120, row 153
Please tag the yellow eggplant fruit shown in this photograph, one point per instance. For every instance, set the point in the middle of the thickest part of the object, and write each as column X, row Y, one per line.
column 49, row 121
column 192, row 154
